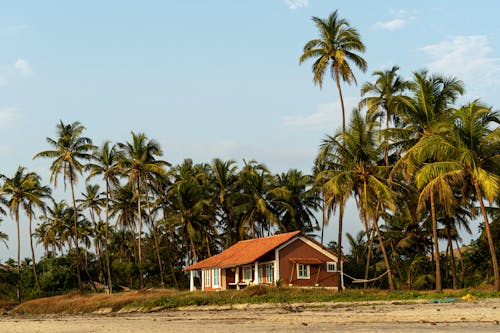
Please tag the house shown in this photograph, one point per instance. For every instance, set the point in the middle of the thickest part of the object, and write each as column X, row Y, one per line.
column 290, row 258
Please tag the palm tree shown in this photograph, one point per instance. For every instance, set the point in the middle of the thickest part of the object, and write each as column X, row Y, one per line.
column 93, row 201
column 69, row 149
column 469, row 153
column 3, row 236
column 301, row 204
column 388, row 97
column 106, row 159
column 24, row 191
column 352, row 167
column 53, row 231
column 336, row 46
column 140, row 163
column 224, row 181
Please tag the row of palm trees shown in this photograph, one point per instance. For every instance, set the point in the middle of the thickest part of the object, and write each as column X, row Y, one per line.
column 203, row 207
column 411, row 154
column 417, row 166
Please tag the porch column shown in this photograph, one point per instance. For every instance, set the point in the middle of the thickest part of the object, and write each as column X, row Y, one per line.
column 237, row 278
column 256, row 273
column 191, row 280
column 276, row 266
column 203, row 272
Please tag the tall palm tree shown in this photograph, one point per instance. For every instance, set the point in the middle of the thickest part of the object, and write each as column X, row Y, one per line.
column 24, row 191
column 140, row 163
column 224, row 181
column 105, row 163
column 93, row 201
column 352, row 167
column 387, row 96
column 337, row 45
column 69, row 149
column 469, row 152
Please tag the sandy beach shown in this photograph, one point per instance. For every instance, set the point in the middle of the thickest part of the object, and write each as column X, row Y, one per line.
column 477, row 316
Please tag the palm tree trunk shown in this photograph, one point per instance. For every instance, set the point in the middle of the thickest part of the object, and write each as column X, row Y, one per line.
column 339, row 243
column 155, row 239
column 323, row 220
column 461, row 259
column 386, row 258
column 33, row 262
column 141, row 280
column 487, row 229
column 369, row 235
column 439, row 287
column 75, row 225
column 452, row 261
column 18, row 258
column 337, row 80
column 106, row 246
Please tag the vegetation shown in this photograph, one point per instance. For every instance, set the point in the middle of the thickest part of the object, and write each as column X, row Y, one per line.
column 419, row 167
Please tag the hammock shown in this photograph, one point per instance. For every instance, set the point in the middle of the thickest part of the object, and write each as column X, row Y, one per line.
column 355, row 280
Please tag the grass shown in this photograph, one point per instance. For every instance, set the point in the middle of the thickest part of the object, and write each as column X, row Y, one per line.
column 165, row 299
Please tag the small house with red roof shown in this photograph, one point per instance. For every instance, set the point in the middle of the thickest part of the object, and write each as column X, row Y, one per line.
column 291, row 259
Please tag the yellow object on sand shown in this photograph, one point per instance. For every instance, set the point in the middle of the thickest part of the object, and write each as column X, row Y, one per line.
column 469, row 298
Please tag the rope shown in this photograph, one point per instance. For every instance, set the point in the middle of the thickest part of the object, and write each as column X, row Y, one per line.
column 355, row 280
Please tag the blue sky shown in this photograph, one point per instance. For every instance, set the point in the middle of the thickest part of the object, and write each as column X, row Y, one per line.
column 214, row 78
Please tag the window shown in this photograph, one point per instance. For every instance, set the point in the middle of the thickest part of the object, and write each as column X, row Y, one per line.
column 269, row 273
column 247, row 274
column 331, row 266
column 261, row 273
column 303, row 271
column 207, row 277
column 216, row 278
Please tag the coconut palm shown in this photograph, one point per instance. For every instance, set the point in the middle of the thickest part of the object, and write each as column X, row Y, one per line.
column 469, row 152
column 388, row 96
column 105, row 162
column 24, row 191
column 224, row 181
column 93, row 200
column 352, row 167
column 301, row 204
column 69, row 149
column 139, row 163
column 53, row 232
column 337, row 45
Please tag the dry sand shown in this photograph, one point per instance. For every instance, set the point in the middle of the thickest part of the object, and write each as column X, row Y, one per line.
column 477, row 316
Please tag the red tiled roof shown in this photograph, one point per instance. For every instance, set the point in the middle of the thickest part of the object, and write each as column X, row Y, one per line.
column 244, row 252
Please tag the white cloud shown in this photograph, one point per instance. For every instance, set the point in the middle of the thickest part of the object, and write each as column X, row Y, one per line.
column 23, row 67
column 391, row 25
column 295, row 4
column 466, row 57
column 328, row 117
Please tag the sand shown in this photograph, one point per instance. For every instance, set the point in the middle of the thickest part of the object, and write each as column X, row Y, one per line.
column 477, row 316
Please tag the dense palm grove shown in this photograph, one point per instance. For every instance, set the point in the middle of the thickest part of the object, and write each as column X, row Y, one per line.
column 420, row 167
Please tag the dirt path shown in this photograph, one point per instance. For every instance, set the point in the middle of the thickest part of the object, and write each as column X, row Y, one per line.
column 477, row 316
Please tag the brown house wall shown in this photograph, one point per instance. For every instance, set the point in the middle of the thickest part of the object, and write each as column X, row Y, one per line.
column 299, row 249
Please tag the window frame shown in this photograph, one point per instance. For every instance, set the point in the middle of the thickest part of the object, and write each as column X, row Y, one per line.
column 334, row 263
column 245, row 270
column 216, row 278
column 206, row 277
column 269, row 273
column 303, row 268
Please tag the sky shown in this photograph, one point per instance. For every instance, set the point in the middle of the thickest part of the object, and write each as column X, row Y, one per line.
column 216, row 78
